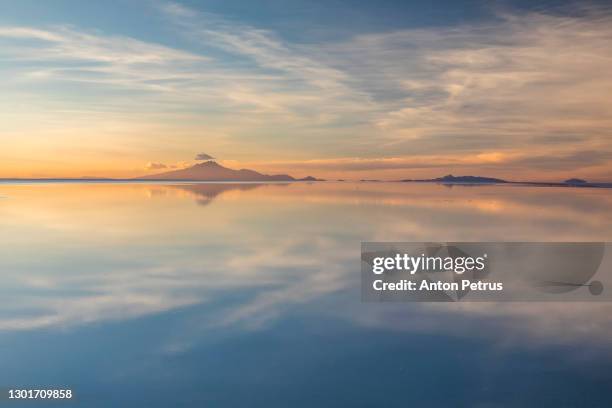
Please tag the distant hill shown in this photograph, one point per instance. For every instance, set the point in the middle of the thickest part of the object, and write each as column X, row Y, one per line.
column 575, row 181
column 462, row 180
column 310, row 178
column 213, row 171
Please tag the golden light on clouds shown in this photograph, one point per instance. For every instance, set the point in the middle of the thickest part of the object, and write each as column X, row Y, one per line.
column 525, row 96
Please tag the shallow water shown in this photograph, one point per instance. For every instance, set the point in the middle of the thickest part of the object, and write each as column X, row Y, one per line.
column 248, row 295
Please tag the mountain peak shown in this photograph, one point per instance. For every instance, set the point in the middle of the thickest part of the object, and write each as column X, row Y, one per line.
column 213, row 171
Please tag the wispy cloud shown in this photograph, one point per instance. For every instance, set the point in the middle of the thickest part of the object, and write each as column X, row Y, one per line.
column 523, row 76
column 523, row 87
column 203, row 156
column 72, row 55
column 156, row 166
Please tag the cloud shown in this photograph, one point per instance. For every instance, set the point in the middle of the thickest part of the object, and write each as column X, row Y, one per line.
column 470, row 89
column 522, row 85
column 495, row 85
column 78, row 56
column 570, row 161
column 156, row 166
column 204, row 156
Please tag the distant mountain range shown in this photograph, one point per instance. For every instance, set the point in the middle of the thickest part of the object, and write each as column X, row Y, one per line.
column 450, row 179
column 213, row 171
column 462, row 180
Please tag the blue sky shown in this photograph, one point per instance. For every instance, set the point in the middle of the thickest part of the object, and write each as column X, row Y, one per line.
column 337, row 88
column 295, row 20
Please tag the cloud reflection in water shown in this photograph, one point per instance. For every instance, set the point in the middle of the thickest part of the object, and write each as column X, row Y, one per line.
column 91, row 253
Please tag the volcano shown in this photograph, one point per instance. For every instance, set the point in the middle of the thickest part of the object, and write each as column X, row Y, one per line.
column 213, row 171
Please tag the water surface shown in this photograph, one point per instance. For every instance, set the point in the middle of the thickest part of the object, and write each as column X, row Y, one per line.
column 140, row 294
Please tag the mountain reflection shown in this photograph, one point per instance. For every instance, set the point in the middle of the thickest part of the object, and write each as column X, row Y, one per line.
column 206, row 192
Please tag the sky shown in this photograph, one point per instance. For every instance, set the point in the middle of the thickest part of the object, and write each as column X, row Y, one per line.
column 334, row 89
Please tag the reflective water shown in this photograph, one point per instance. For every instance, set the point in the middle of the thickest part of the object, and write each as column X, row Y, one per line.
column 248, row 295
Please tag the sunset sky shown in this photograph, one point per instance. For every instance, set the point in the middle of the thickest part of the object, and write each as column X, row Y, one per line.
column 334, row 88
